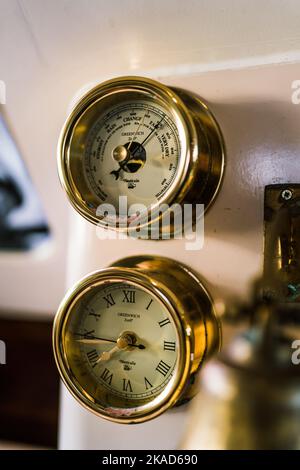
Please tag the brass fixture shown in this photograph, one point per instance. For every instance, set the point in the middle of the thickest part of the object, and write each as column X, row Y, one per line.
column 252, row 391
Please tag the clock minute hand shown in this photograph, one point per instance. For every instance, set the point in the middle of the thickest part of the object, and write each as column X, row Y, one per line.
column 154, row 128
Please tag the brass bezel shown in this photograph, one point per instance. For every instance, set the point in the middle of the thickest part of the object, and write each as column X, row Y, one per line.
column 201, row 166
column 199, row 335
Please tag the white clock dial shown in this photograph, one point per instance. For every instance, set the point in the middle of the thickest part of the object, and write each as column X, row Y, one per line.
column 127, row 342
column 132, row 150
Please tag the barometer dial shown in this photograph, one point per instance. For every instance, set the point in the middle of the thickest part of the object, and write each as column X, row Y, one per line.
column 137, row 139
column 132, row 150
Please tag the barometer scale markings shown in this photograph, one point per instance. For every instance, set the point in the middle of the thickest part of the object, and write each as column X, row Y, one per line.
column 107, row 124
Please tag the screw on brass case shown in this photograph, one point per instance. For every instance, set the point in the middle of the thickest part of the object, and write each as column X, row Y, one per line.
column 286, row 194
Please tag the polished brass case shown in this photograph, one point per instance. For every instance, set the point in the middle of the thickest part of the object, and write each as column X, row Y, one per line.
column 189, row 304
column 201, row 166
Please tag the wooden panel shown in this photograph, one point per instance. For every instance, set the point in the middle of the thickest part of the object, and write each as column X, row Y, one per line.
column 29, row 383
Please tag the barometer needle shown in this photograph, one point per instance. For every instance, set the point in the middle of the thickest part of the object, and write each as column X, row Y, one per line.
column 154, row 128
column 94, row 339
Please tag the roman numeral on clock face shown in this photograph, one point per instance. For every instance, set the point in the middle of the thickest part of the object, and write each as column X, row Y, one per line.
column 129, row 296
column 127, row 386
column 169, row 346
column 106, row 376
column 149, row 304
column 92, row 357
column 109, row 300
column 164, row 322
column 163, row 368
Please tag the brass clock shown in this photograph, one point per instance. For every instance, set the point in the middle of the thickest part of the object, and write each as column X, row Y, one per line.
column 130, row 339
column 136, row 138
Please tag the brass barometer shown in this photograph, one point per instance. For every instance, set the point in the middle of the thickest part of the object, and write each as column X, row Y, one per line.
column 130, row 339
column 135, row 138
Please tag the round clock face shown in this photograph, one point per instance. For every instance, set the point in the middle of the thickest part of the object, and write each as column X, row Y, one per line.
column 133, row 149
column 129, row 339
column 121, row 347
